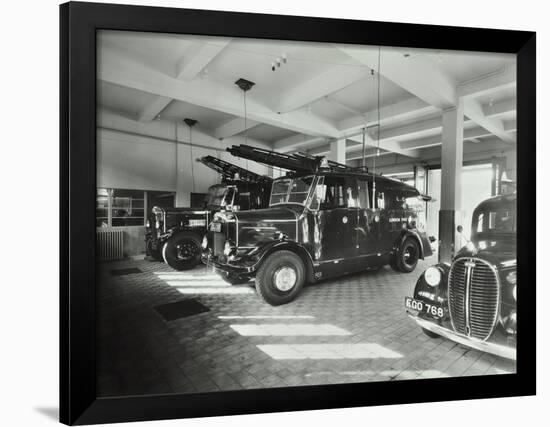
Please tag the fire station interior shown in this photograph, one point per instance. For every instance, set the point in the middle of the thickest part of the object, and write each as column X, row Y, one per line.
column 443, row 122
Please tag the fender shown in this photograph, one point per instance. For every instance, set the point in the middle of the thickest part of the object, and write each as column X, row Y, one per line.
column 438, row 294
column 421, row 239
column 288, row 245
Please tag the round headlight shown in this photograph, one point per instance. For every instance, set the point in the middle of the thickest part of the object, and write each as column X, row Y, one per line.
column 432, row 276
column 204, row 242
column 157, row 224
column 227, row 248
column 512, row 277
column 148, row 224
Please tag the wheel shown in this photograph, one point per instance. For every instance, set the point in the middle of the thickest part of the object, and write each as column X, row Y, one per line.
column 406, row 258
column 182, row 251
column 234, row 279
column 156, row 254
column 430, row 333
column 280, row 278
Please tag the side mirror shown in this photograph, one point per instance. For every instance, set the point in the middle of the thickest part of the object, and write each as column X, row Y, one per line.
column 459, row 228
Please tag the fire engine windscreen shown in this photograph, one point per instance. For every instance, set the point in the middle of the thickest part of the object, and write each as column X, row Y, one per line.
column 291, row 190
column 217, row 196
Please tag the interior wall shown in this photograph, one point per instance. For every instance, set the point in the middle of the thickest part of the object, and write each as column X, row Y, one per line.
column 145, row 155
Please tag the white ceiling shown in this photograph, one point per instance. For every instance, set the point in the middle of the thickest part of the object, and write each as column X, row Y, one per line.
column 322, row 92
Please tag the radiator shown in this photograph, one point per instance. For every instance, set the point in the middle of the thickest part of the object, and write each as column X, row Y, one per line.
column 109, row 244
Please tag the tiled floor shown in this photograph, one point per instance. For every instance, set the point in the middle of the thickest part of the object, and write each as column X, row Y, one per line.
column 349, row 330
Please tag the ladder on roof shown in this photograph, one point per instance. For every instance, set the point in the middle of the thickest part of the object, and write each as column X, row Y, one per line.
column 228, row 171
column 298, row 162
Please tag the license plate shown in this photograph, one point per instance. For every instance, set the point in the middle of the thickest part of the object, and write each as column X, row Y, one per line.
column 430, row 309
column 216, row 227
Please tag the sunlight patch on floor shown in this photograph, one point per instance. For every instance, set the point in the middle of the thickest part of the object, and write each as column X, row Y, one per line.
column 206, row 290
column 266, row 317
column 328, row 351
column 289, row 330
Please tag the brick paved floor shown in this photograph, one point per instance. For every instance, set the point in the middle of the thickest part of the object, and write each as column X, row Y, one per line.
column 362, row 333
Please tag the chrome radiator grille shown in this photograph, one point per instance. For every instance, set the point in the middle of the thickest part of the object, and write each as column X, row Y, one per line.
column 218, row 243
column 473, row 297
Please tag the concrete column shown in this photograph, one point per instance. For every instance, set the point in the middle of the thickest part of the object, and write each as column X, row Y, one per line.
column 451, row 182
column 183, row 166
column 338, row 151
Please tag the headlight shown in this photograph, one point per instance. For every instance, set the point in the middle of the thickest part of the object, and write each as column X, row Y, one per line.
column 511, row 277
column 148, row 224
column 227, row 248
column 157, row 224
column 432, row 276
column 204, row 242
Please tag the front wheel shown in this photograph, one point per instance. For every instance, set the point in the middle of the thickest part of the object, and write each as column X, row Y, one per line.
column 280, row 278
column 407, row 256
column 182, row 252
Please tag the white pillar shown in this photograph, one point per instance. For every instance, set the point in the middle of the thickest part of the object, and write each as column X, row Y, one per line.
column 451, row 182
column 182, row 176
column 338, row 151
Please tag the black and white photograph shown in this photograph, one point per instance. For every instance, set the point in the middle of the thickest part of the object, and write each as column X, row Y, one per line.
column 293, row 213
column 275, row 213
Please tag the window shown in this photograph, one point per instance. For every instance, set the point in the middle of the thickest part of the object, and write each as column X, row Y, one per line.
column 336, row 194
column 122, row 208
column 102, row 207
column 363, row 190
column 128, row 207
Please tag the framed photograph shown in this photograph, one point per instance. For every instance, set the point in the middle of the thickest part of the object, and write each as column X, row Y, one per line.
column 267, row 213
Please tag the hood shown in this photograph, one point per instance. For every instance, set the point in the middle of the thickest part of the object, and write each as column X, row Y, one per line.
column 265, row 225
column 499, row 251
column 270, row 215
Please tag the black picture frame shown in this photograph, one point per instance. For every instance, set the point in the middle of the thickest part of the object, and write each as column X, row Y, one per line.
column 78, row 25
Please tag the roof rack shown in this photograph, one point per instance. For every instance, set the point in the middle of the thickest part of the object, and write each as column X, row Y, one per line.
column 229, row 171
column 298, row 162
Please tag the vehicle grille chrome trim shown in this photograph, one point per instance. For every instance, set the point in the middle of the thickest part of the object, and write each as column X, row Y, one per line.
column 473, row 297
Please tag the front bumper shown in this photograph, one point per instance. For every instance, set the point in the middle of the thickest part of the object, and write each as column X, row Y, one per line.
column 238, row 270
column 489, row 347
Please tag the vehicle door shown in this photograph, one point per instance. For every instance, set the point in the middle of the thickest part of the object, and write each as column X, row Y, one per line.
column 337, row 219
column 368, row 225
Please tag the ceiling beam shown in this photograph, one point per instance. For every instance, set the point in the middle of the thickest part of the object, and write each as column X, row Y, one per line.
column 422, row 78
column 408, row 109
column 329, row 81
column 469, row 134
column 495, row 82
column 500, row 108
column 116, row 67
column 234, row 127
column 198, row 57
column 154, row 108
column 474, row 110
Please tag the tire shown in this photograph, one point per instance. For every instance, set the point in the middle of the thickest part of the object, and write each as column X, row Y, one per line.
column 156, row 255
column 233, row 279
column 430, row 333
column 393, row 264
column 290, row 270
column 407, row 256
column 182, row 251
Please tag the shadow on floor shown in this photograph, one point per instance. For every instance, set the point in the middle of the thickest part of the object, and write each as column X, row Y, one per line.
column 51, row 412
